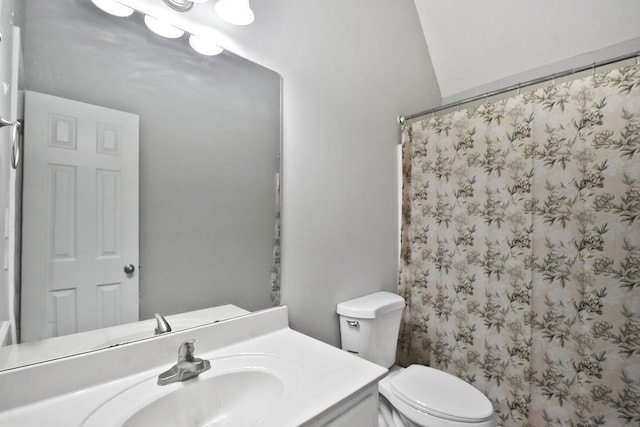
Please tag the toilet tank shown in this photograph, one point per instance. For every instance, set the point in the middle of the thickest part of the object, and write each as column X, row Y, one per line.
column 369, row 326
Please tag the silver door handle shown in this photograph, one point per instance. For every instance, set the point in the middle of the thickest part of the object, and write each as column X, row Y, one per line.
column 129, row 268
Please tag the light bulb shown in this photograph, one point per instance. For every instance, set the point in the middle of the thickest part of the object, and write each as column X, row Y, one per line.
column 113, row 7
column 237, row 12
column 161, row 28
column 205, row 46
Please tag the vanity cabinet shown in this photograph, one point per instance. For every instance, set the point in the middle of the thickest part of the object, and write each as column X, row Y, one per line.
column 360, row 410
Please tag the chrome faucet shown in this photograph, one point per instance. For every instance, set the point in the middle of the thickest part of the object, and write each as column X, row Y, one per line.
column 187, row 366
column 162, row 326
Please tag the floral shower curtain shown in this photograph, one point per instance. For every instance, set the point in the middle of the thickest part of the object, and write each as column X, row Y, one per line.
column 521, row 251
column 275, row 262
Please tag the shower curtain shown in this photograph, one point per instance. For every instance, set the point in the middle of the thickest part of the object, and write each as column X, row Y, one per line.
column 275, row 260
column 521, row 250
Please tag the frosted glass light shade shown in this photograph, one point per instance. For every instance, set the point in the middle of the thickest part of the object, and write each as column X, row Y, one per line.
column 114, row 8
column 237, row 12
column 161, row 28
column 198, row 1
column 204, row 46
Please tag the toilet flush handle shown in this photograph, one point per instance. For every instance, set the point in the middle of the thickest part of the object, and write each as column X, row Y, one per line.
column 353, row 323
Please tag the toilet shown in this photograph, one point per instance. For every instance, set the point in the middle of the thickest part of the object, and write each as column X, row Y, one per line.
column 417, row 395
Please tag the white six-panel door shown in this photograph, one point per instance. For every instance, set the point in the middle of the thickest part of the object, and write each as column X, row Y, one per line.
column 80, row 217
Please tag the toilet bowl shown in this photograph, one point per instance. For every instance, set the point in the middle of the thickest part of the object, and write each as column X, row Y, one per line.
column 423, row 396
column 417, row 395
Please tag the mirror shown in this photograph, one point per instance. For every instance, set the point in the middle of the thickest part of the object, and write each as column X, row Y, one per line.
column 209, row 151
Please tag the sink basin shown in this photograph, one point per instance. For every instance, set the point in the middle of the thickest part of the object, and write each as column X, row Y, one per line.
column 239, row 390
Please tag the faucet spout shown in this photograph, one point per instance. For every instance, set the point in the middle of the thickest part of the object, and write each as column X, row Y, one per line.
column 162, row 326
column 187, row 367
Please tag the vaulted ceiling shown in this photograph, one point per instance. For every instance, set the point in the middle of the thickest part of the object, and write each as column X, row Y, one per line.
column 475, row 42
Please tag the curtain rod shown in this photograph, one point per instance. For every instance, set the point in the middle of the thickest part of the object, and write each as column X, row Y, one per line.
column 402, row 119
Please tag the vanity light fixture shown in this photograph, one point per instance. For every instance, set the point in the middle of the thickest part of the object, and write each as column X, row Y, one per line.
column 162, row 28
column 236, row 12
column 204, row 46
column 113, row 7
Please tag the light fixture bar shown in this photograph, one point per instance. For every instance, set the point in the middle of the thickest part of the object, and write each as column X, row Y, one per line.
column 179, row 5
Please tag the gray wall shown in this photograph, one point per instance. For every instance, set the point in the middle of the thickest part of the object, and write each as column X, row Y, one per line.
column 209, row 144
column 349, row 69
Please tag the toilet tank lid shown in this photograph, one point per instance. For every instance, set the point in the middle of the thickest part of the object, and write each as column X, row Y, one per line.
column 371, row 306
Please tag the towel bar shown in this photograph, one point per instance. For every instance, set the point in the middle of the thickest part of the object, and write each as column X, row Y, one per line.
column 16, row 126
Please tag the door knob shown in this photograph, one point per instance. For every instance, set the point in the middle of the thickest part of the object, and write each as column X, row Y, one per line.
column 129, row 268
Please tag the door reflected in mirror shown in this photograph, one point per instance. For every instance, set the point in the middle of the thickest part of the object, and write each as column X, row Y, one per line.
column 80, row 198
column 209, row 163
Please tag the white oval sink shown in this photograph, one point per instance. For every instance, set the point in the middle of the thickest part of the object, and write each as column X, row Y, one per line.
column 239, row 390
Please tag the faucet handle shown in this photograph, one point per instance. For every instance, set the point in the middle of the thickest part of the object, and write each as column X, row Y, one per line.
column 186, row 351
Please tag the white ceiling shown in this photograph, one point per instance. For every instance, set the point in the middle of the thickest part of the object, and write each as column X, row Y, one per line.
column 475, row 42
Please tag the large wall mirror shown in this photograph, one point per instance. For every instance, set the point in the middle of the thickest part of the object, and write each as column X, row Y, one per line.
column 207, row 186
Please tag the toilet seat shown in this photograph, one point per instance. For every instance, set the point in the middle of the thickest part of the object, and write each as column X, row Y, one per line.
column 430, row 392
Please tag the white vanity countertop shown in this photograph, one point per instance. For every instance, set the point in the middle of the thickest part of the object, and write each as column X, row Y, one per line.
column 327, row 376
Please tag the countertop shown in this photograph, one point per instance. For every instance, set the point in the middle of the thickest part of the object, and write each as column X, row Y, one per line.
column 327, row 375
